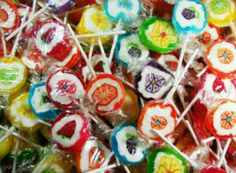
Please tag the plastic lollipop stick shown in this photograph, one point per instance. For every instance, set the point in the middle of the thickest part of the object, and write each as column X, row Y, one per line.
column 126, row 82
column 3, row 42
column 13, row 51
column 126, row 169
column 102, row 34
column 222, row 157
column 233, row 28
column 103, row 168
column 187, row 123
column 15, row 157
column 202, row 72
column 104, row 58
column 65, row 18
column 44, row 123
column 33, row 9
column 221, row 150
column 7, row 134
column 91, row 52
column 26, row 23
column 205, row 141
column 81, row 50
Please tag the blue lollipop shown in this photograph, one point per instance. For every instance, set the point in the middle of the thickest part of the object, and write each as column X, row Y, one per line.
column 126, row 146
column 40, row 103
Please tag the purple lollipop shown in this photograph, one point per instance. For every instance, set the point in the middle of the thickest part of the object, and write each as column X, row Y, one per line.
column 60, row 6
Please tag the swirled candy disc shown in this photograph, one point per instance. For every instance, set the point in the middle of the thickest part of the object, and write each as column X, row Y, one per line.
column 51, row 39
column 93, row 21
column 64, row 87
column 126, row 146
column 60, row 6
column 129, row 50
column 189, row 16
column 166, row 160
column 221, row 12
column 211, row 169
column 221, row 59
column 221, row 120
column 126, row 11
column 158, row 35
column 70, row 131
column 5, row 145
column 9, row 16
column 13, row 75
column 93, row 155
column 20, row 114
column 157, row 116
column 168, row 61
column 154, row 81
column 40, row 103
column 107, row 93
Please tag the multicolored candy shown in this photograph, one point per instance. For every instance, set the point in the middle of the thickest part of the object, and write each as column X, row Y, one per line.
column 60, row 6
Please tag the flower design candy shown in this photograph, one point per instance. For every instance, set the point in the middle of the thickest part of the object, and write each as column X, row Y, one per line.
column 65, row 88
column 125, row 144
column 13, row 75
column 70, row 131
column 221, row 59
column 92, row 156
column 21, row 115
column 166, row 160
column 94, row 20
column 107, row 93
column 51, row 39
column 189, row 16
column 9, row 16
column 60, row 6
column 40, row 103
column 129, row 50
column 154, row 81
column 157, row 116
column 221, row 13
column 126, row 11
column 221, row 120
column 158, row 35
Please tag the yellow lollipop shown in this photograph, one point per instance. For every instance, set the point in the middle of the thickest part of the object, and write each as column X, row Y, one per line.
column 5, row 145
column 94, row 21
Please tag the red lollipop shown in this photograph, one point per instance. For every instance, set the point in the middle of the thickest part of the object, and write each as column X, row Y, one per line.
column 70, row 131
column 212, row 170
column 107, row 93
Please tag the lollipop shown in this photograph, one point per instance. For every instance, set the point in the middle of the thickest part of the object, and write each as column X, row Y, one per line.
column 13, row 75
column 125, row 144
column 221, row 59
column 154, row 81
column 9, row 16
column 169, row 62
column 211, row 169
column 40, row 104
column 60, row 6
column 107, row 93
column 129, row 50
column 122, row 10
column 64, row 87
column 21, row 115
column 158, row 35
column 166, row 160
column 157, row 116
column 93, row 155
column 70, row 131
column 5, row 145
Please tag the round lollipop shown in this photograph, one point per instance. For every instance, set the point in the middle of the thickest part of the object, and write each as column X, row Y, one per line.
column 107, row 93
column 169, row 62
column 93, row 21
column 5, row 145
column 93, row 155
column 154, row 81
column 221, row 59
column 130, row 50
column 123, row 10
column 9, row 16
column 211, row 169
column 126, row 146
column 221, row 120
column 60, row 6
column 64, row 87
column 13, row 75
column 20, row 114
column 157, row 116
column 51, row 39
column 158, row 35
column 70, row 131
column 40, row 104
column 166, row 160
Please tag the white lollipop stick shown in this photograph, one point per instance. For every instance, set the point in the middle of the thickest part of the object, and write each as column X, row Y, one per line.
column 15, row 157
column 91, row 52
column 26, row 23
column 33, row 11
column 187, row 123
column 202, row 72
column 7, row 134
column 102, row 169
column 233, row 28
column 222, row 157
column 3, row 42
column 205, row 141
column 44, row 123
column 221, row 150
column 174, row 147
column 102, row 34
column 81, row 50
column 104, row 58
column 126, row 82
column 13, row 51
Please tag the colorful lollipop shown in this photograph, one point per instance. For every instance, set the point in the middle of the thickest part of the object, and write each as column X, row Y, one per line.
column 60, row 6
column 126, row 145
column 211, row 169
column 70, row 131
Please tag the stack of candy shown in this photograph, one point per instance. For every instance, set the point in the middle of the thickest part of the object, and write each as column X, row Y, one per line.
column 107, row 86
